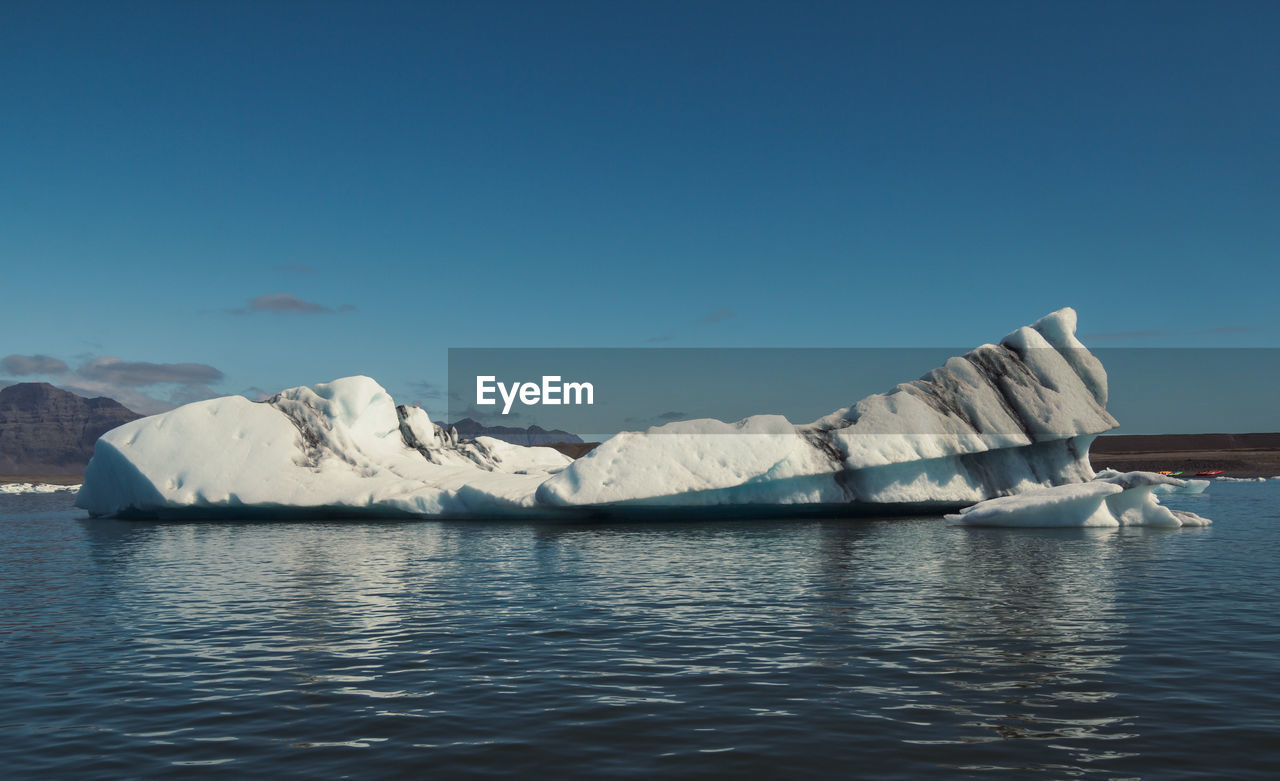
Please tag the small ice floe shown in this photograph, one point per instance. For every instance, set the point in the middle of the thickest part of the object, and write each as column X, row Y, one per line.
column 1191, row 487
column 1110, row 499
column 1242, row 479
column 35, row 488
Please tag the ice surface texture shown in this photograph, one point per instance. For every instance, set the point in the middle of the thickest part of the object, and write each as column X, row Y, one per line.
column 1003, row 419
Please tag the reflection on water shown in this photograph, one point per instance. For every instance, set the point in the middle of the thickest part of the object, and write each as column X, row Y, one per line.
column 895, row 648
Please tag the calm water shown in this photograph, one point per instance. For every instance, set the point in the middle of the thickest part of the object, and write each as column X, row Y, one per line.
column 871, row 648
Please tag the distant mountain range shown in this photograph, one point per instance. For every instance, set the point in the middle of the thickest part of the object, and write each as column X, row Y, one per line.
column 48, row 431
column 533, row 435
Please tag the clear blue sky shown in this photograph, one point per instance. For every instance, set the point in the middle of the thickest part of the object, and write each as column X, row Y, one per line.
column 426, row 175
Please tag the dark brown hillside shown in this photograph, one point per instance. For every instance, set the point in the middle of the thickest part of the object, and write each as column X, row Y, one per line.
column 47, row 430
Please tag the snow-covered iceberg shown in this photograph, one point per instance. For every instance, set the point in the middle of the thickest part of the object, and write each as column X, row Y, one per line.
column 337, row 447
column 1003, row 419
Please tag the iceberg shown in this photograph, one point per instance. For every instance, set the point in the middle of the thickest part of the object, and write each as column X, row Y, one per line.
column 1111, row 499
column 1004, row 419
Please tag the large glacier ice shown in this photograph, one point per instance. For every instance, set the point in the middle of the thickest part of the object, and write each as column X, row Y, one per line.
column 1003, row 419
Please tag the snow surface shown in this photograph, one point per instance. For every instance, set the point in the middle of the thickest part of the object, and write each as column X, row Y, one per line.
column 1110, row 499
column 1003, row 419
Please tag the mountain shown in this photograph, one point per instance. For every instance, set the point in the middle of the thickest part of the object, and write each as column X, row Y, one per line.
column 534, row 435
column 46, row 430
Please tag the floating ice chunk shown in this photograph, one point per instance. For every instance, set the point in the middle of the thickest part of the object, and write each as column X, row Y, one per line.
column 35, row 488
column 1191, row 487
column 1112, row 499
column 1077, row 504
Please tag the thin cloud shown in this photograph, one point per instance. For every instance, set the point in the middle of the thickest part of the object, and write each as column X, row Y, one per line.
column 185, row 394
column 488, row 415
column 24, row 365
column 657, row 420
column 132, row 398
column 141, row 373
column 1123, row 336
column 254, row 393
column 1228, row 329
column 426, row 390
column 142, row 386
column 718, row 316
column 288, row 304
column 1117, row 336
column 709, row 318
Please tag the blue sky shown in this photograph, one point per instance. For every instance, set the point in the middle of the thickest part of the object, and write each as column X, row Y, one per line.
column 388, row 180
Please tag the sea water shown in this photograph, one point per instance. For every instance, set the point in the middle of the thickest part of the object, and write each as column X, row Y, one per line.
column 801, row 648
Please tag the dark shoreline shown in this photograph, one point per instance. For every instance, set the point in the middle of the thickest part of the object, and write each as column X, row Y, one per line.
column 1237, row 455
column 42, row 478
column 1233, row 463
